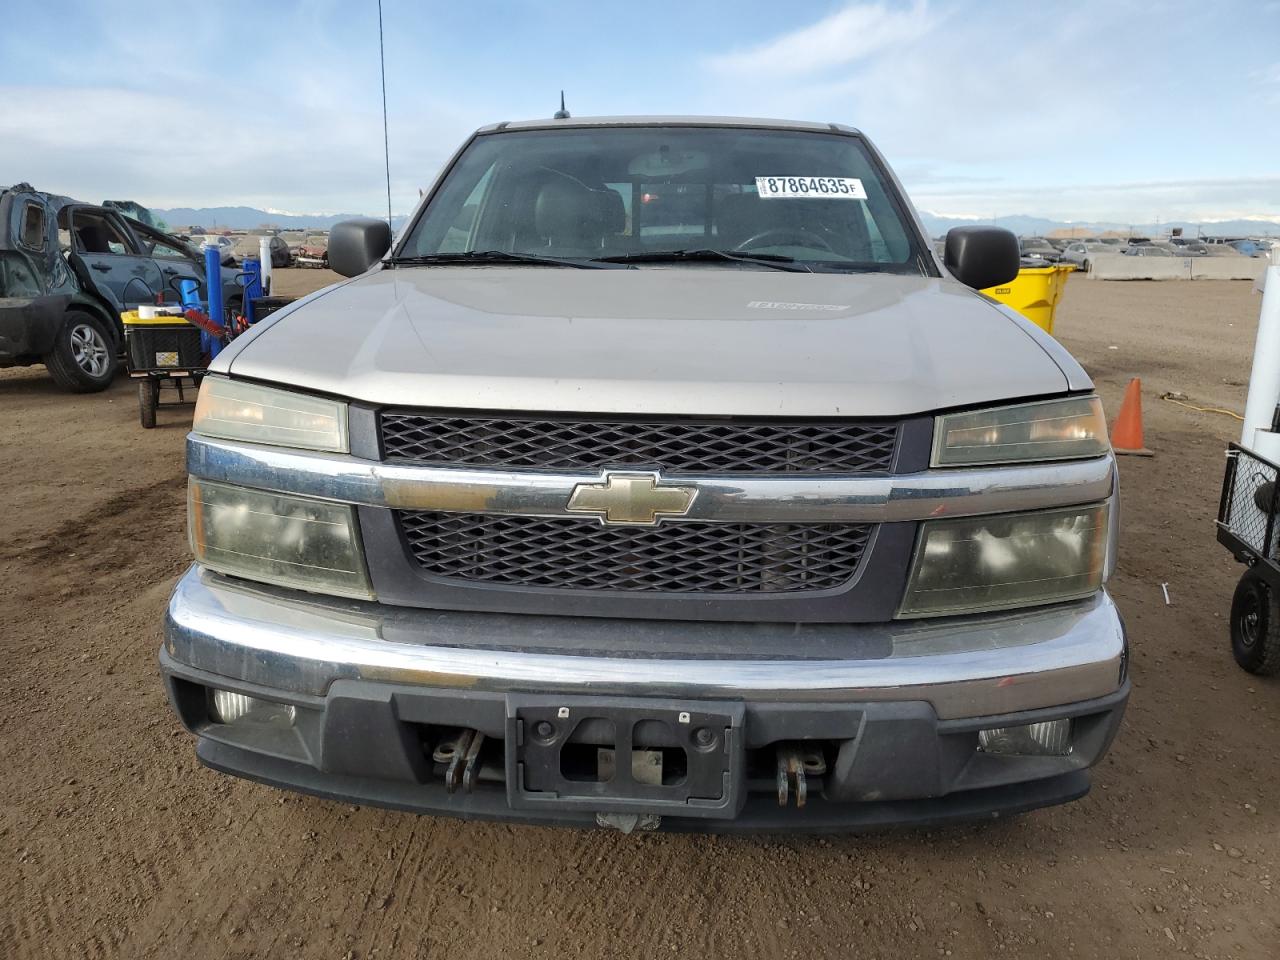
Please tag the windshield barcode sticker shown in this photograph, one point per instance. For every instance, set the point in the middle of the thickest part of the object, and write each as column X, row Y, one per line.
column 843, row 188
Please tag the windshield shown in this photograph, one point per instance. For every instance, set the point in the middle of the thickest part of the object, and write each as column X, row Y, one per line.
column 622, row 192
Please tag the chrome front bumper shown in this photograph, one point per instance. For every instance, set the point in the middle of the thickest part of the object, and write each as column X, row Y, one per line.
column 963, row 667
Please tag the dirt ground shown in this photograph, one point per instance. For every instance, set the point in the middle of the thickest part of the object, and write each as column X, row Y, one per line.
column 114, row 842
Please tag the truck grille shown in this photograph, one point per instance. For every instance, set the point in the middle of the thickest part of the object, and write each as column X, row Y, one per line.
column 674, row 446
column 580, row 554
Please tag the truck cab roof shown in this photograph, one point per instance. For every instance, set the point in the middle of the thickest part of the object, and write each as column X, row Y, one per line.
column 670, row 120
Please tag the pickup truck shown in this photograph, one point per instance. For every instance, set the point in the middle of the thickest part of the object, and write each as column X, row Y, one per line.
column 658, row 474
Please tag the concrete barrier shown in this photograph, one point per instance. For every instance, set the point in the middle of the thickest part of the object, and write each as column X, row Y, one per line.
column 1228, row 268
column 1117, row 266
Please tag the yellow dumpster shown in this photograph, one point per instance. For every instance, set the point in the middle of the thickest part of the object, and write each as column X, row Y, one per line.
column 1034, row 292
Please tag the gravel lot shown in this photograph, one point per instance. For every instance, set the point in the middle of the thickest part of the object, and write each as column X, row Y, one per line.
column 116, row 843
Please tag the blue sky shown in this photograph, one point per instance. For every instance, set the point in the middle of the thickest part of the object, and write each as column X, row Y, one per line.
column 1091, row 109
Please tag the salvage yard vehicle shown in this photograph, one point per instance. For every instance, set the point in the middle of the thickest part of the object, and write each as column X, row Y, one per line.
column 250, row 246
column 570, row 508
column 67, row 272
column 314, row 251
column 1038, row 248
column 1078, row 252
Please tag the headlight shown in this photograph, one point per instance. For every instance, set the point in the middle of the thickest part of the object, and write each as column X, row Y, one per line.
column 292, row 541
column 236, row 410
column 1012, row 560
column 1048, row 430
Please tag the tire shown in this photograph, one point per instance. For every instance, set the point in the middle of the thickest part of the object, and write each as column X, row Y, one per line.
column 83, row 358
column 1255, row 625
column 148, row 402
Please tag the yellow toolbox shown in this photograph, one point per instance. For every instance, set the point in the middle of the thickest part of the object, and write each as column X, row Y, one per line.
column 161, row 343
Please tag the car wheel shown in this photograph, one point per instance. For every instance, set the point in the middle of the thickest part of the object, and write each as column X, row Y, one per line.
column 1255, row 625
column 1086, row 266
column 83, row 358
column 148, row 402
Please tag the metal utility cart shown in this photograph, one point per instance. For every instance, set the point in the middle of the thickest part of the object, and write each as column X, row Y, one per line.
column 1249, row 506
column 161, row 350
column 1247, row 527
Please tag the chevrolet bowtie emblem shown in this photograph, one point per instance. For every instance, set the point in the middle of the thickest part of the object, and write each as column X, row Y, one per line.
column 639, row 498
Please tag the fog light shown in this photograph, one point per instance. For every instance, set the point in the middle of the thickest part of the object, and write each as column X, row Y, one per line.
column 1052, row 738
column 228, row 707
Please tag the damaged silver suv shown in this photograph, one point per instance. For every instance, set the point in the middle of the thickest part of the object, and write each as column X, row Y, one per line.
column 659, row 473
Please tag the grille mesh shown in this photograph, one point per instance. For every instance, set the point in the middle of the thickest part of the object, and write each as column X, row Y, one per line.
column 580, row 554
column 670, row 445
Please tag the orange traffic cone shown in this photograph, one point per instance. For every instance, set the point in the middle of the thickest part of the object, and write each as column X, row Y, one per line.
column 1126, row 436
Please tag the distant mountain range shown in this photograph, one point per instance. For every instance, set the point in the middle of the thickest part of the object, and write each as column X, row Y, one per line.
column 246, row 218
column 1039, row 226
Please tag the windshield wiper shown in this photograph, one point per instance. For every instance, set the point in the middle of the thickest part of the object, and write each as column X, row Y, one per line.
column 492, row 256
column 773, row 260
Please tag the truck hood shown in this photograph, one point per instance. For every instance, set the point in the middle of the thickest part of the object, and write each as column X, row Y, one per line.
column 684, row 340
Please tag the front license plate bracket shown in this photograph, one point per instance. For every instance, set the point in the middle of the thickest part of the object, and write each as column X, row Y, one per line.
column 625, row 755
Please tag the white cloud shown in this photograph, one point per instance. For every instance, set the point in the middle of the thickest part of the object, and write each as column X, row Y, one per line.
column 1081, row 113
column 303, row 153
column 844, row 37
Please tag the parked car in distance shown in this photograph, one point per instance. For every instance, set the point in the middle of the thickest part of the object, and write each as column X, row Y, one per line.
column 554, row 513
column 1077, row 252
column 295, row 240
column 224, row 244
column 67, row 271
column 1145, row 250
column 1038, row 248
column 314, row 251
column 249, row 245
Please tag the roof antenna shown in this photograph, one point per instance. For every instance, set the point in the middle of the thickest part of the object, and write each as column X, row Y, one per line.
column 562, row 113
column 386, row 141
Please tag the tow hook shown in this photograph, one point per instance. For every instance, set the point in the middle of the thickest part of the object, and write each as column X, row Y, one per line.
column 795, row 762
column 462, row 754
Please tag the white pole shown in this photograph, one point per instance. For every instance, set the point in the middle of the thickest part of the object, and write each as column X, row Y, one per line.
column 1264, row 380
column 264, row 253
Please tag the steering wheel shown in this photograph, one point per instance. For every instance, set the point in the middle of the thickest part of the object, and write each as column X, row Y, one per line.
column 780, row 235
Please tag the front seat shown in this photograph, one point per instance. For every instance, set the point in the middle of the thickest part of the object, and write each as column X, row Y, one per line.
column 574, row 220
column 93, row 238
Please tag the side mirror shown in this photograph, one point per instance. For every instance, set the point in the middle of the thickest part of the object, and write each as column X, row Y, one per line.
column 356, row 245
column 981, row 257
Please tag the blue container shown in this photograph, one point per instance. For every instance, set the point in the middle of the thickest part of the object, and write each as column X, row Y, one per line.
column 213, row 282
column 251, row 270
column 189, row 294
